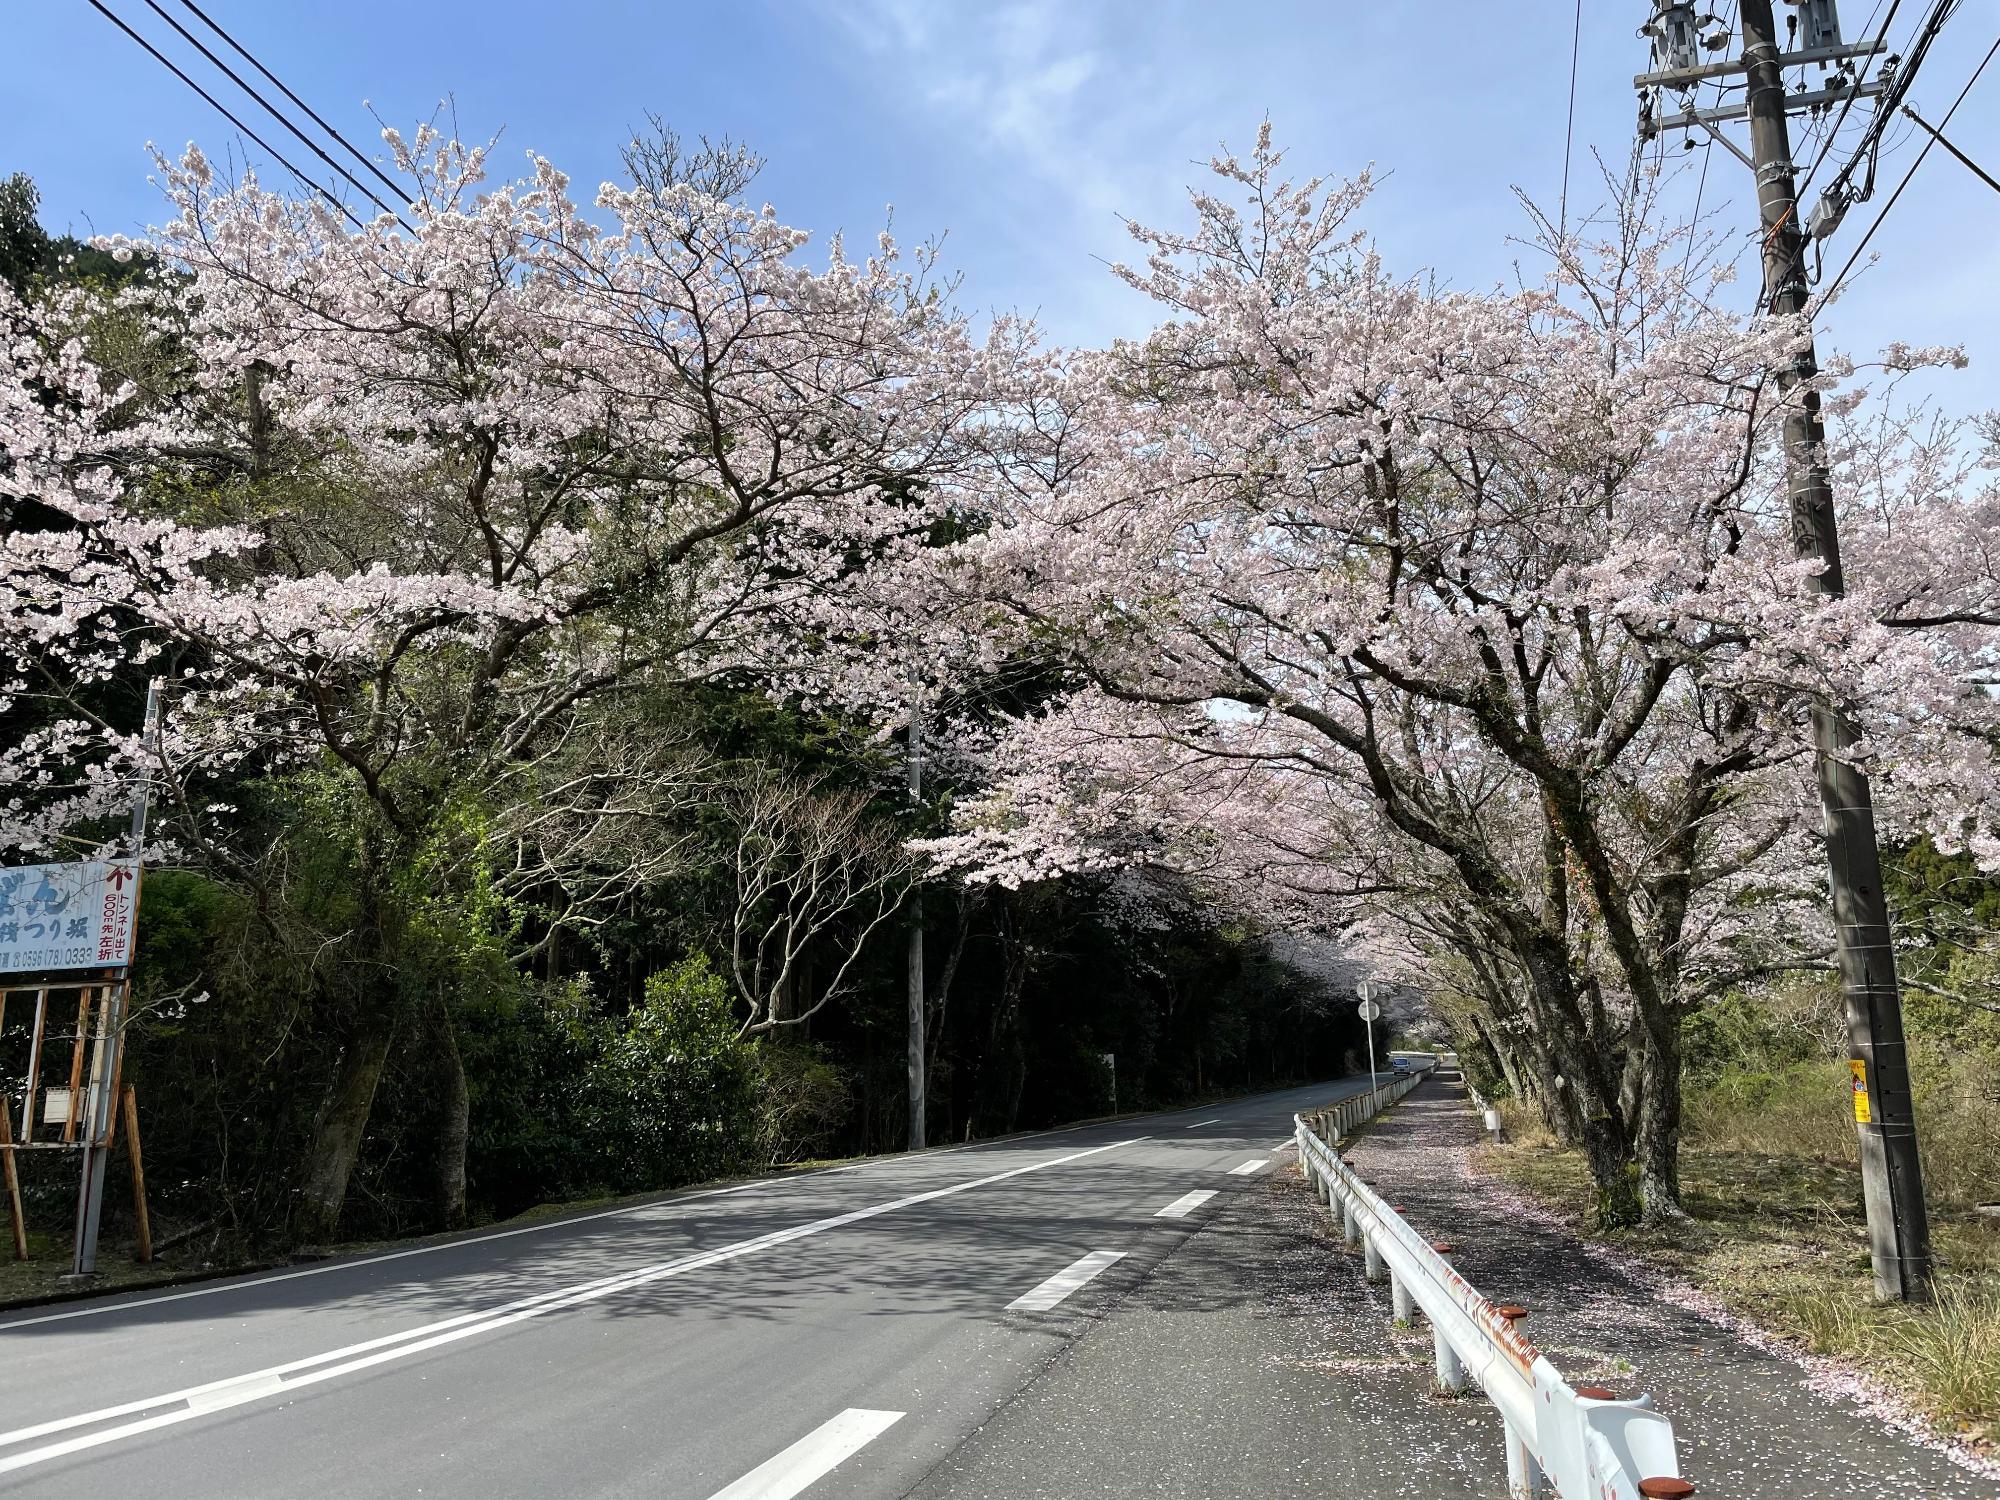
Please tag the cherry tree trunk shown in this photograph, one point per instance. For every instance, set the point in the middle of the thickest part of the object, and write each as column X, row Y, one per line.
column 373, row 1010
column 1659, row 1118
column 1582, row 1085
column 338, row 1132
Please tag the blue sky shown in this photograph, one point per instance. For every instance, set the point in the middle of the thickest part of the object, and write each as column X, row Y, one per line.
column 1022, row 128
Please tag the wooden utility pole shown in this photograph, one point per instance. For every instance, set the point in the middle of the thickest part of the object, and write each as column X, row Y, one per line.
column 1891, row 1175
column 914, row 764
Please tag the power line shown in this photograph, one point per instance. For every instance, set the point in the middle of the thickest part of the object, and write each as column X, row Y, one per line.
column 278, row 83
column 223, row 110
column 1837, row 193
column 310, row 144
column 1701, row 182
column 1569, row 129
column 1935, row 137
column 1826, row 147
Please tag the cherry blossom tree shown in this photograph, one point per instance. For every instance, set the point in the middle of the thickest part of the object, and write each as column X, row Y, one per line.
column 393, row 510
column 1480, row 606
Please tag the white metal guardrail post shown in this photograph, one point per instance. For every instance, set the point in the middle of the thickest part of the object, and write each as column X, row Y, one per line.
column 1570, row 1442
column 1488, row 1115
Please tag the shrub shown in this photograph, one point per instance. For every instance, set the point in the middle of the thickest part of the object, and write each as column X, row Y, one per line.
column 803, row 1099
column 569, row 1101
column 667, row 1097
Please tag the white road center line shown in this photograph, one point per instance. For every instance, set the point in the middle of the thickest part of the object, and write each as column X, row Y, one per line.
column 238, row 1390
column 1184, row 1205
column 661, row 1205
column 1065, row 1281
column 818, row 1453
column 1199, row 1123
column 1251, row 1167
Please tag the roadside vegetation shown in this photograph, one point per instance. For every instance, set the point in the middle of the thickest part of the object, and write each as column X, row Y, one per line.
column 1770, row 1177
column 501, row 860
column 594, row 633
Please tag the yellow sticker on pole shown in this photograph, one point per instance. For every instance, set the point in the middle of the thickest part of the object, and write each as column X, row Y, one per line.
column 1862, row 1114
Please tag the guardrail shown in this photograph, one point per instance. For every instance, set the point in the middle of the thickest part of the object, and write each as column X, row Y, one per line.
column 1575, row 1442
column 1340, row 1118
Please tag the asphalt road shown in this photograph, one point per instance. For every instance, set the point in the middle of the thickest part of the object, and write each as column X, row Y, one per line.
column 840, row 1333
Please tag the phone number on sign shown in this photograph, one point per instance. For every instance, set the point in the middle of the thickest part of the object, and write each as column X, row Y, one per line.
column 69, row 956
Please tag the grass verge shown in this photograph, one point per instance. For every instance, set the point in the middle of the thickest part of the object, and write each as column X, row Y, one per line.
column 1782, row 1240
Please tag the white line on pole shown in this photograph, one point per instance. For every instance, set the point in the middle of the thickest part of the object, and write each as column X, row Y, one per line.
column 238, row 1390
column 1184, row 1205
column 1065, row 1281
column 813, row 1456
column 1250, row 1168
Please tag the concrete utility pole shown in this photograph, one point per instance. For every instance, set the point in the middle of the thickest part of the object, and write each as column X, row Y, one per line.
column 1891, row 1175
column 914, row 764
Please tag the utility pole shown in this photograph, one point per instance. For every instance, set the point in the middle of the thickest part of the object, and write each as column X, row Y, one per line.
column 914, row 765
column 1891, row 1175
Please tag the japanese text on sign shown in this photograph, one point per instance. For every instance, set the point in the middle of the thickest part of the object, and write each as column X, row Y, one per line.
column 69, row 916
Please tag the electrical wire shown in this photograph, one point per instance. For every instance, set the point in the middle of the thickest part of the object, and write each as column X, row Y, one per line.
column 1937, row 135
column 223, row 110
column 310, row 144
column 1891, row 99
column 1569, row 129
column 1701, row 182
column 1881, row 37
column 313, row 114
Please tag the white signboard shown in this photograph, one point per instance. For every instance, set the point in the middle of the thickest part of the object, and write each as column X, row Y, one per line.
column 70, row 916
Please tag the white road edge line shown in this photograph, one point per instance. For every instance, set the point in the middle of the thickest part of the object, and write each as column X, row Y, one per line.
column 1184, row 1205
column 1251, row 1167
column 1199, row 1123
column 816, row 1454
column 1057, row 1287
column 238, row 1390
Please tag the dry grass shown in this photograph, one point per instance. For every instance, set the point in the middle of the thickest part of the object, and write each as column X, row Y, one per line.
column 1776, row 1230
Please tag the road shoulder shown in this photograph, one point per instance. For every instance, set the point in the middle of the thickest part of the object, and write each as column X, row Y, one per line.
column 1248, row 1363
column 1751, row 1419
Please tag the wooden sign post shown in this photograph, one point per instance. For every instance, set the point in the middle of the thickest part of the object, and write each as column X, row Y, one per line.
column 80, row 915
column 108, row 1064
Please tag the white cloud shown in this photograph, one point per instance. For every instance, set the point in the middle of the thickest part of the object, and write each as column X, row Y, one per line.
column 1074, row 120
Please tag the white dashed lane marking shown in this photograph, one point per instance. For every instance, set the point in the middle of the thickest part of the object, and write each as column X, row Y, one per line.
column 1065, row 1281
column 812, row 1457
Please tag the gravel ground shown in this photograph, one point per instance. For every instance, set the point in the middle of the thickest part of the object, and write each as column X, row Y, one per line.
column 1752, row 1419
